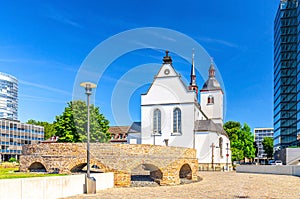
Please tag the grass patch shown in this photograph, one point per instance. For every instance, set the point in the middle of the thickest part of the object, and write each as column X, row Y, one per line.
column 10, row 172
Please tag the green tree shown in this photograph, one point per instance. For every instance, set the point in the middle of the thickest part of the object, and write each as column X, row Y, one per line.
column 241, row 140
column 71, row 125
column 268, row 146
column 49, row 129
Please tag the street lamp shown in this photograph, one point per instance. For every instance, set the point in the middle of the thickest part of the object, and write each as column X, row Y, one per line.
column 88, row 91
column 227, row 156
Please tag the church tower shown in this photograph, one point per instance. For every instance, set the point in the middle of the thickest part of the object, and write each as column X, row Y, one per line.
column 193, row 85
column 212, row 97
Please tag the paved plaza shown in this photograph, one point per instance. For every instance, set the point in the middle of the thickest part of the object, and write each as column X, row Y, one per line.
column 214, row 185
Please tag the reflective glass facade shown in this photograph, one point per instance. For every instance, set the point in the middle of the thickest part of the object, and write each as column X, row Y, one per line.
column 286, row 74
column 8, row 97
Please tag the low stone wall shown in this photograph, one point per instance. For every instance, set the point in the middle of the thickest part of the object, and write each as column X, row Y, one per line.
column 269, row 169
column 51, row 187
column 118, row 158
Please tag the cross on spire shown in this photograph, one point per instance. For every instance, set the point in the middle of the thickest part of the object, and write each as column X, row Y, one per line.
column 167, row 59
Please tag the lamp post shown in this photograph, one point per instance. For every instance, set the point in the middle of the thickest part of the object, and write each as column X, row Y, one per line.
column 227, row 156
column 88, row 91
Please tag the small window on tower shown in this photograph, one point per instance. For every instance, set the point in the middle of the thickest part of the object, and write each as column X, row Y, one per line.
column 210, row 100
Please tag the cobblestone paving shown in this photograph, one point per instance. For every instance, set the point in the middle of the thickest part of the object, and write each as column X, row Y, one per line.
column 214, row 185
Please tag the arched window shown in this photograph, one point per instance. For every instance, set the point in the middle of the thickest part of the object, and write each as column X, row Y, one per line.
column 210, row 100
column 221, row 146
column 156, row 121
column 177, row 120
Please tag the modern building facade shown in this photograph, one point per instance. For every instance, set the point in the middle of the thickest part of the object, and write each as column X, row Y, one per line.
column 14, row 134
column 286, row 75
column 259, row 135
column 8, row 97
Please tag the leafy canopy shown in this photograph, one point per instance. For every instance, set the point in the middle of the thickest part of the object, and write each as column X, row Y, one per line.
column 71, row 125
column 268, row 146
column 241, row 140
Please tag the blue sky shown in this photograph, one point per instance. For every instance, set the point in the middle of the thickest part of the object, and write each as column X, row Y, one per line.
column 43, row 44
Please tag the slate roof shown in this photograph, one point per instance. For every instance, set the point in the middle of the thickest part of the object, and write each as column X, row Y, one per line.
column 209, row 125
column 135, row 127
column 211, row 84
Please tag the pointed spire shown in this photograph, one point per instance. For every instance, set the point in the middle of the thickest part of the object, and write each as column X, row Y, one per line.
column 193, row 64
column 167, row 59
column 193, row 74
column 212, row 68
column 193, row 85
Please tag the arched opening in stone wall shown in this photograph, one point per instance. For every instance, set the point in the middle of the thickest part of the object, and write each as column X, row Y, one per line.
column 185, row 173
column 82, row 168
column 78, row 168
column 146, row 175
column 37, row 167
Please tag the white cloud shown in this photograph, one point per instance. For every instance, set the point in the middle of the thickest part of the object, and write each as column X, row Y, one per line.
column 40, row 99
column 45, row 87
column 219, row 41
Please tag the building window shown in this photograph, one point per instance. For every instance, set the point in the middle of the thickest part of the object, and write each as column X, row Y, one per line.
column 210, row 100
column 221, row 147
column 156, row 121
column 177, row 121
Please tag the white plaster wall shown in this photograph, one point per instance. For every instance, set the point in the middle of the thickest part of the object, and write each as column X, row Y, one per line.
column 167, row 93
column 51, row 187
column 161, row 72
column 187, row 119
column 198, row 114
column 167, row 90
column 213, row 111
column 203, row 142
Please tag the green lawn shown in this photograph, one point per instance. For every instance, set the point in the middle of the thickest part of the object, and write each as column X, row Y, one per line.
column 13, row 172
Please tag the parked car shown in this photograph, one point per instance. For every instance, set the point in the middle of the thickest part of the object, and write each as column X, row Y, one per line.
column 271, row 162
column 278, row 162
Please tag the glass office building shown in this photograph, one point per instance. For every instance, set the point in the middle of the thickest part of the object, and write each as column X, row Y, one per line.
column 8, row 97
column 286, row 75
column 13, row 133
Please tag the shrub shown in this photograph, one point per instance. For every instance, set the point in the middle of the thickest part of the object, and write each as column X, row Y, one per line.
column 12, row 159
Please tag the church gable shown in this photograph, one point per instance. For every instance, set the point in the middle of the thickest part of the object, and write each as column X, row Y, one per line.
column 168, row 90
column 167, row 69
column 168, row 87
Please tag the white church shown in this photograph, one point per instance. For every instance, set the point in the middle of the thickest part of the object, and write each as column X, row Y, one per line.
column 171, row 115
